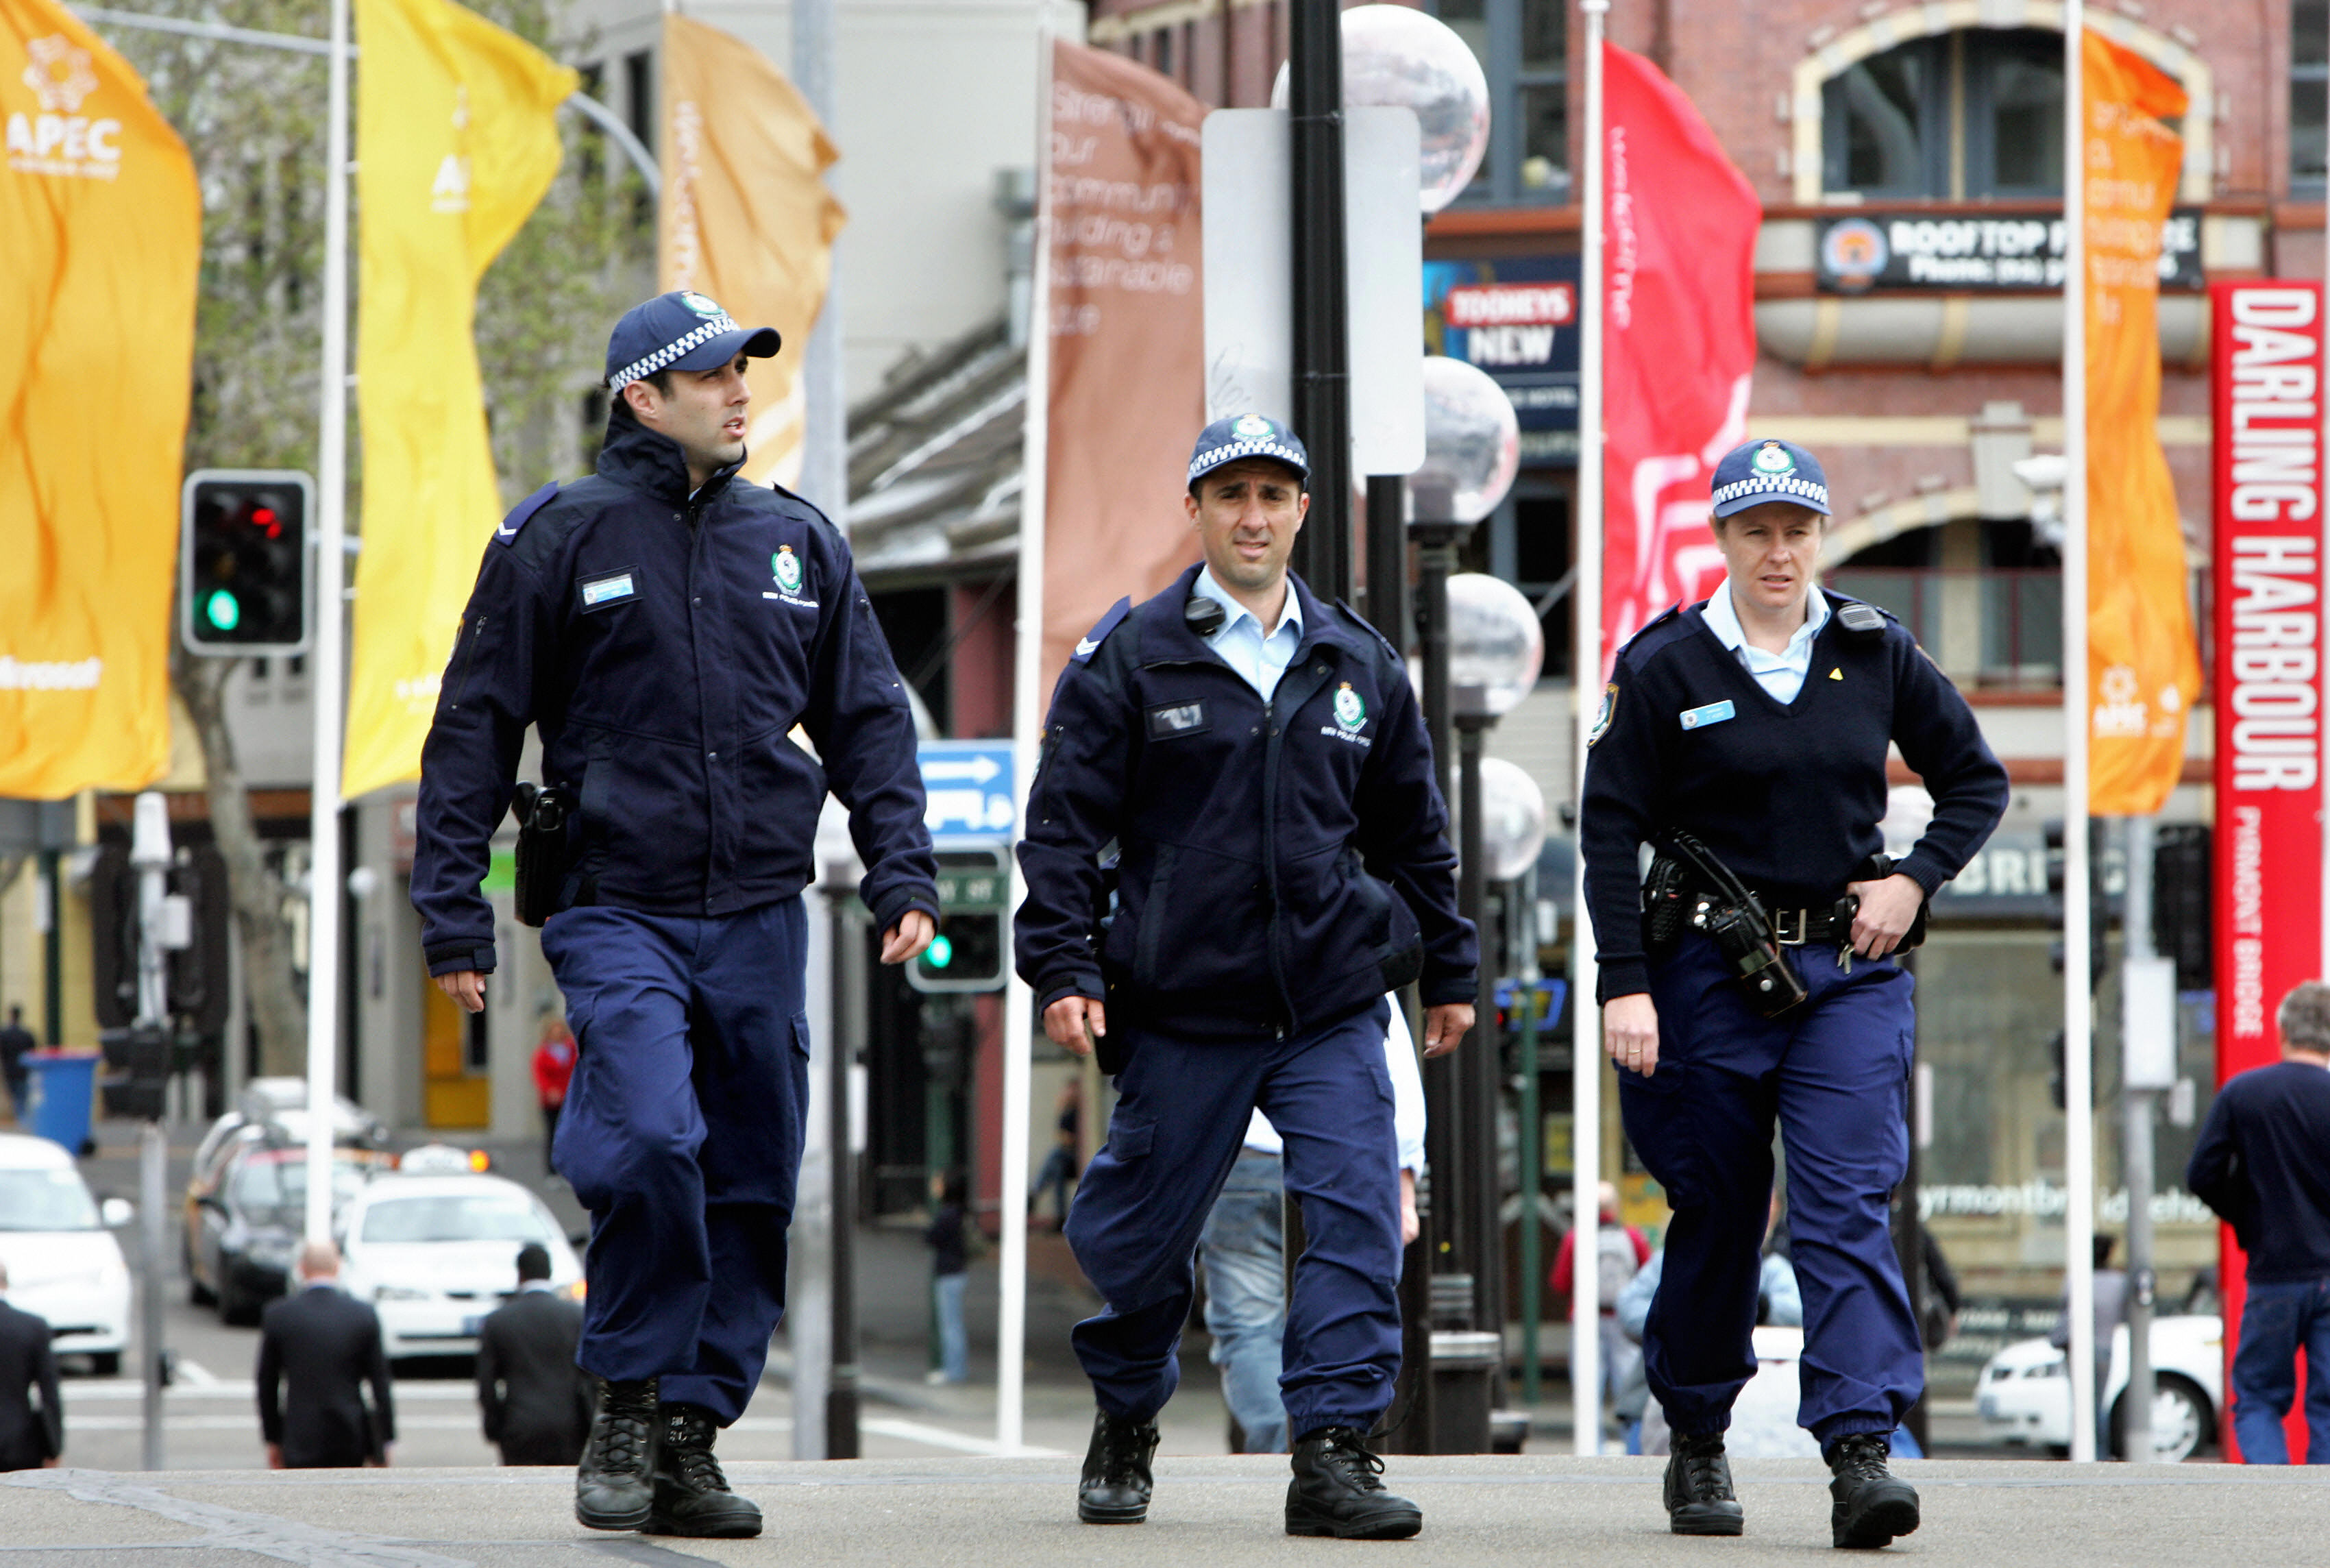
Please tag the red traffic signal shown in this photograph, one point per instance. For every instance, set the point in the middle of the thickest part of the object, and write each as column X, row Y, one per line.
column 242, row 562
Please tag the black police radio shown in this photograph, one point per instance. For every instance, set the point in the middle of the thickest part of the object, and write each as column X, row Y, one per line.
column 1203, row 615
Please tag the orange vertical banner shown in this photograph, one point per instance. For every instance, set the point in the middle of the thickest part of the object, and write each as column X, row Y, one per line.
column 2144, row 669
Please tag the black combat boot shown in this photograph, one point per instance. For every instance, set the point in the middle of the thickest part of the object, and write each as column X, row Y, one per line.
column 614, row 1488
column 1698, row 1496
column 691, row 1496
column 1872, row 1505
column 1335, row 1491
column 1116, row 1481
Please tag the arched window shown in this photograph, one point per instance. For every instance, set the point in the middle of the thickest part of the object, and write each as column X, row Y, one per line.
column 1958, row 117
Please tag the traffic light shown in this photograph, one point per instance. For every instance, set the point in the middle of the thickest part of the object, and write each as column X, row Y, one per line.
column 968, row 953
column 242, row 562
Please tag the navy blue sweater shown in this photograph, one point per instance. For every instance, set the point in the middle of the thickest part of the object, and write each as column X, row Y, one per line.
column 1788, row 795
column 2263, row 1162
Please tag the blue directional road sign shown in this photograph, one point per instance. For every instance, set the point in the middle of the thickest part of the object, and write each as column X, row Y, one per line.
column 968, row 786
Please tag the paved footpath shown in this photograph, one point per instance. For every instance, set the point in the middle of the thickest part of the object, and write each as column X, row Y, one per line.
column 1210, row 1512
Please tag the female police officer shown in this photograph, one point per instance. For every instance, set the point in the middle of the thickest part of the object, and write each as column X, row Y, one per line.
column 1757, row 726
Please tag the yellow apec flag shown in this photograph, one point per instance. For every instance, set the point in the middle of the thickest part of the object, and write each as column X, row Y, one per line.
column 745, row 215
column 2144, row 668
column 457, row 140
column 101, row 252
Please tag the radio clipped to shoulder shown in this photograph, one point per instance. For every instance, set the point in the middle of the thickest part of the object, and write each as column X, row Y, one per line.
column 542, row 811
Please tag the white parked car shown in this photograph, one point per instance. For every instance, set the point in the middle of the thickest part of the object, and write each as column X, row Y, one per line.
column 57, row 1241
column 2024, row 1393
column 435, row 1253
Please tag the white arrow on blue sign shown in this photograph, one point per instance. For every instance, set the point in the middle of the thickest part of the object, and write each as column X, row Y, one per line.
column 968, row 785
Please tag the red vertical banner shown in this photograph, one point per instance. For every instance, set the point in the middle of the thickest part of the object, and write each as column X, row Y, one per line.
column 2266, row 364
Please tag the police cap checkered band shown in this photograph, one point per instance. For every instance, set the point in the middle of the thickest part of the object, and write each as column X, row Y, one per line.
column 681, row 330
column 1247, row 435
column 1775, row 490
column 1767, row 469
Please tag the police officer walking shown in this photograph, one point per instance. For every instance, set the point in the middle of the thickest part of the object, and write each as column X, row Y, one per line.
column 1752, row 977
column 1258, row 758
column 665, row 625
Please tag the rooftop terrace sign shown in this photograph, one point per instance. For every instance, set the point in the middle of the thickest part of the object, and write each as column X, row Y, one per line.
column 2009, row 253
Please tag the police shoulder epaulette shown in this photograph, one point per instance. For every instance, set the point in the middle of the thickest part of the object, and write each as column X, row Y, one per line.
column 1107, row 624
column 508, row 533
column 1369, row 628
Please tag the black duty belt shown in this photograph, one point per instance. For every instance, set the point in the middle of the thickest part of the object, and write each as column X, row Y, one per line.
column 1811, row 926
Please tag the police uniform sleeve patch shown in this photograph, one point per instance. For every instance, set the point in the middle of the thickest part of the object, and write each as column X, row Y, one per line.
column 1107, row 624
column 508, row 533
column 1602, row 720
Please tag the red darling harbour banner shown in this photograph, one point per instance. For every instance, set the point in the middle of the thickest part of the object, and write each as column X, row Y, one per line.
column 2266, row 379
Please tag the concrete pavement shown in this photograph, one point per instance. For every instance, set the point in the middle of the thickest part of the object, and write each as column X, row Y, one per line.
column 930, row 1513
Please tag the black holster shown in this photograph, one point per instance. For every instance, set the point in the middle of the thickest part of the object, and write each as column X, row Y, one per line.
column 542, row 857
column 1730, row 914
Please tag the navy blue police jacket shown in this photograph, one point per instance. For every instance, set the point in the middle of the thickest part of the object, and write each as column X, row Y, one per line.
column 1788, row 795
column 1280, row 865
column 666, row 646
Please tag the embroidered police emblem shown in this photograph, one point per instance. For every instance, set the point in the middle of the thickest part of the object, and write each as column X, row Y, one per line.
column 1251, row 426
column 1772, row 458
column 700, row 305
column 1602, row 720
column 786, row 567
column 1350, row 710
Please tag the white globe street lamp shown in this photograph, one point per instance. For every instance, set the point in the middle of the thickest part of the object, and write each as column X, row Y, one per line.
column 1512, row 820
column 1496, row 645
column 1471, row 440
column 1396, row 57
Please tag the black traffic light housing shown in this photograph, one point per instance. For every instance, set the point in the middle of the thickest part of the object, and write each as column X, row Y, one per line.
column 244, row 585
column 969, row 952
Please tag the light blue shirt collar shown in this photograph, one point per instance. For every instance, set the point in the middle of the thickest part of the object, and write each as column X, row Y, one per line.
column 1290, row 613
column 1781, row 674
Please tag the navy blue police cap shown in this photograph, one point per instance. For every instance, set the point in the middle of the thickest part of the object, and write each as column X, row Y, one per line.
column 1769, row 471
column 681, row 330
column 1245, row 435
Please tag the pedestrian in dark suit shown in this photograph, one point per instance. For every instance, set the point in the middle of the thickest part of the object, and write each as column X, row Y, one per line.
column 536, row 1400
column 30, row 1438
column 15, row 1039
column 326, row 1345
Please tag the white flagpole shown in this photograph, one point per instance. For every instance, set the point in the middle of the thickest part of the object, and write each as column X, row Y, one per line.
column 1586, row 599
column 327, row 659
column 1027, row 725
column 2079, row 1117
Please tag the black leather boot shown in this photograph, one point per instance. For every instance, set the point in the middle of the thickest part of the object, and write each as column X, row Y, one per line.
column 1335, row 1491
column 1698, row 1496
column 1872, row 1503
column 614, row 1488
column 1116, row 1481
column 691, row 1496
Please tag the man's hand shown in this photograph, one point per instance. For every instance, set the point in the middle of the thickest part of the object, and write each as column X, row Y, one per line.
column 53, row 1461
column 1076, row 1023
column 1445, row 1027
column 1410, row 1226
column 1630, row 1032
column 909, row 937
column 1887, row 910
column 275, row 1456
column 467, row 987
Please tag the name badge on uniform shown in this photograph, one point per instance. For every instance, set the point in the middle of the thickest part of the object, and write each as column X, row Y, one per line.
column 1713, row 712
column 610, row 589
column 1180, row 718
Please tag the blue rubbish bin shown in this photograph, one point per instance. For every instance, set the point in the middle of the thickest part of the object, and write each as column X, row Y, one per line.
column 64, row 1091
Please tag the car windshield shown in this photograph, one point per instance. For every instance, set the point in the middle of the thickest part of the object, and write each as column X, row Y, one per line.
column 51, row 1200
column 264, row 1188
column 452, row 1217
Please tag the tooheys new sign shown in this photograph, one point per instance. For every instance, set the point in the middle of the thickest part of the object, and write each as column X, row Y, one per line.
column 2267, row 348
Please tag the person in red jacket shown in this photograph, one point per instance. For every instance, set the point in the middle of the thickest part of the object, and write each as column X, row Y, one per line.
column 1621, row 1250
column 553, row 1065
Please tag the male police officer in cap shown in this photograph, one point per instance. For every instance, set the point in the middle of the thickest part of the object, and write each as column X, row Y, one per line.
column 1746, row 739
column 665, row 625
column 1258, row 759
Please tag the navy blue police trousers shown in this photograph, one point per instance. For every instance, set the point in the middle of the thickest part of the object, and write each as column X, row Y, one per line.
column 1833, row 1072
column 682, row 1135
column 1176, row 1129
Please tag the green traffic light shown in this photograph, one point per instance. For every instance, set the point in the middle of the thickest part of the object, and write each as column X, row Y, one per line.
column 939, row 953
column 224, row 609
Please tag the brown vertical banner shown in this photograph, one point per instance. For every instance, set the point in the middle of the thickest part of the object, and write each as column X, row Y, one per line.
column 2144, row 667
column 745, row 216
column 1127, row 338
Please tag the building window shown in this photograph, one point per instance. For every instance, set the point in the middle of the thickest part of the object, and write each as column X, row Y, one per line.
column 2309, row 75
column 1963, row 117
column 1160, row 50
column 639, row 96
column 1523, row 47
